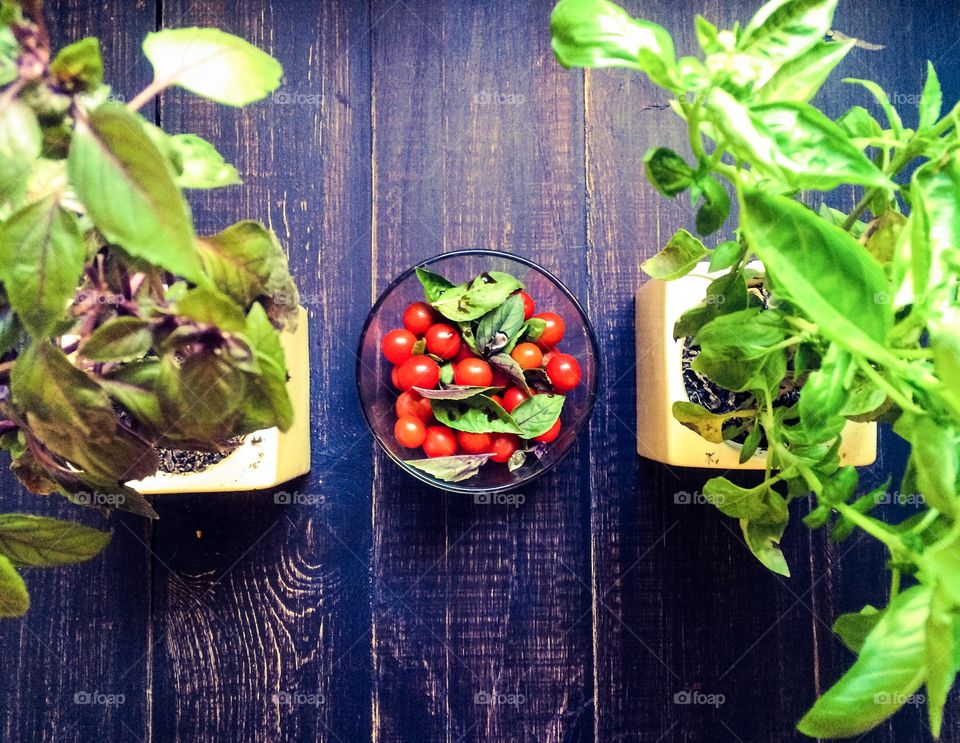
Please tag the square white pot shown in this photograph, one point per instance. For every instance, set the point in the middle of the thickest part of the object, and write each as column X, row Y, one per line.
column 660, row 436
column 265, row 458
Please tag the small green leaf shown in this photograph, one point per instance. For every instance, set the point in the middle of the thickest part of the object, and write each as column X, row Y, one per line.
column 41, row 259
column 119, row 339
column 763, row 534
column 735, row 501
column 536, row 415
column 715, row 208
column 858, row 123
column 941, row 656
column 852, row 629
column 473, row 300
column 935, row 458
column 800, row 78
column 701, row 421
column 79, row 66
column 785, row 29
column 20, row 146
column 677, row 258
column 39, row 541
column 896, row 123
column 707, row 35
column 14, row 599
column 451, row 469
column 725, row 255
column 212, row 64
column 667, row 171
column 501, row 324
column 931, row 100
column 511, row 368
column 434, row 285
column 477, row 414
column 211, row 307
column 268, row 403
column 201, row 166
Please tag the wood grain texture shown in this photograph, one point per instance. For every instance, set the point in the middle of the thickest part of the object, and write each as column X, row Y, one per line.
column 77, row 641
column 261, row 615
column 478, row 143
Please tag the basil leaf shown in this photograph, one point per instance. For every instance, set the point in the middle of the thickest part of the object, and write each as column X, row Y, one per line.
column 751, row 443
column 207, row 305
column 735, row 501
column 701, row 421
column 454, row 392
column 890, row 668
column 941, row 655
column 708, row 37
column 667, row 171
column 601, row 34
column 858, row 123
column 822, row 270
column 785, row 29
column 119, row 339
column 852, row 629
column 446, row 373
column 896, row 123
column 511, row 368
column 126, row 184
column 538, row 380
column 434, row 285
column 747, row 334
column 534, row 329
column 536, row 415
column 451, row 469
column 799, row 79
column 931, row 100
column 78, row 66
column 473, row 300
column 677, row 258
column 201, row 166
column 715, row 208
column 268, row 403
column 41, row 259
column 20, row 145
column 132, row 386
column 516, row 460
column 500, row 325
column 212, row 64
column 763, row 534
column 825, row 392
column 14, row 599
column 39, row 541
column 725, row 255
column 200, row 395
column 477, row 414
column 935, row 458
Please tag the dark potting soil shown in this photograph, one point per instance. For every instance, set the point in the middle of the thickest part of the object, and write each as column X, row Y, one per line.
column 183, row 461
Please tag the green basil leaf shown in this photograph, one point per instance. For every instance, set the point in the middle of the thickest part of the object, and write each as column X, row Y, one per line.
column 677, row 258
column 536, row 415
column 267, row 403
column 477, row 414
column 747, row 334
column 763, row 535
column 41, row 259
column 204, row 304
column 10, row 330
column 823, row 271
column 511, row 368
column 500, row 325
column 667, row 171
column 858, row 123
column 882, row 240
column 852, row 629
column 454, row 392
column 446, row 373
column 725, row 255
column 735, row 501
column 896, row 123
column 601, row 34
column 201, row 166
column 434, row 285
column 890, row 668
column 751, row 443
column 451, row 469
column 126, row 185
column 934, row 198
column 785, row 29
column 534, row 329
column 132, row 386
column 708, row 37
column 517, row 460
column 799, row 79
column 935, row 458
column 715, row 208
column 701, row 421
column 825, row 392
column 472, row 300
column 14, row 599
column 931, row 100
column 20, row 145
column 941, row 656
column 39, row 541
column 78, row 66
column 119, row 339
column 212, row 64
column 201, row 395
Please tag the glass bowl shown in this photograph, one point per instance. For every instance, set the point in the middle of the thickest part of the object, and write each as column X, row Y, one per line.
column 378, row 396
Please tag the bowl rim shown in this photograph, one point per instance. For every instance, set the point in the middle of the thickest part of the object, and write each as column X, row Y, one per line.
column 454, row 487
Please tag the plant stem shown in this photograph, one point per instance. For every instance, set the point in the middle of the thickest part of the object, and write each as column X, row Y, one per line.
column 144, row 96
column 892, row 541
column 894, row 583
column 891, row 391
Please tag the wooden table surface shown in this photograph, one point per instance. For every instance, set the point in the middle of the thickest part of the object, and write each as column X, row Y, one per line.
column 384, row 608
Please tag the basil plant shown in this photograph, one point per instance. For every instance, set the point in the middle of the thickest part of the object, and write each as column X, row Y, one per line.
column 858, row 311
column 121, row 329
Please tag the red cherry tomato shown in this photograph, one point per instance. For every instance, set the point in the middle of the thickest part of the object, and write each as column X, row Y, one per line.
column 397, row 345
column 513, row 397
column 528, row 355
column 443, row 341
column 497, row 399
column 564, row 372
column 410, row 403
column 473, row 372
column 546, row 438
column 418, row 318
column 499, row 379
column 553, row 332
column 475, row 443
column 464, row 353
column 395, row 377
column 503, row 446
column 440, row 441
column 418, row 371
column 410, row 431
column 528, row 305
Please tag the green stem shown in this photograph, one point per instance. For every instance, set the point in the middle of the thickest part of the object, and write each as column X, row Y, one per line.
column 894, row 584
column 892, row 392
column 871, row 527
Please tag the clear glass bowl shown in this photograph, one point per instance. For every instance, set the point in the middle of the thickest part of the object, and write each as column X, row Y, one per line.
column 378, row 396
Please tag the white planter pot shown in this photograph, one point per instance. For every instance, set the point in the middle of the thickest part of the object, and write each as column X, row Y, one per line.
column 265, row 458
column 660, row 383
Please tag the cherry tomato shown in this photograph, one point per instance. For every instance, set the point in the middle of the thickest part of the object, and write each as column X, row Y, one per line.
column 564, row 372
column 410, row 403
column 440, row 441
column 503, row 446
column 497, row 399
column 418, row 318
column 500, row 379
column 546, row 438
column 395, row 376
column 553, row 333
column 464, row 353
column 528, row 355
column 443, row 341
column 397, row 345
column 473, row 372
column 528, row 305
column 475, row 443
column 418, row 371
column 513, row 397
column 410, row 431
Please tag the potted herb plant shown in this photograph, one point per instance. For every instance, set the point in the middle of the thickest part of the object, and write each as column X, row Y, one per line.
column 859, row 311
column 123, row 334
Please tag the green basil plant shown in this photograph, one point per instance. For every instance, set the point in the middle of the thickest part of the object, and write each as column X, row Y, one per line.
column 121, row 329
column 859, row 311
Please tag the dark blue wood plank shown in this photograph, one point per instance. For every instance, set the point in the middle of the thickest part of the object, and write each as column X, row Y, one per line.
column 255, row 600
column 83, row 642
